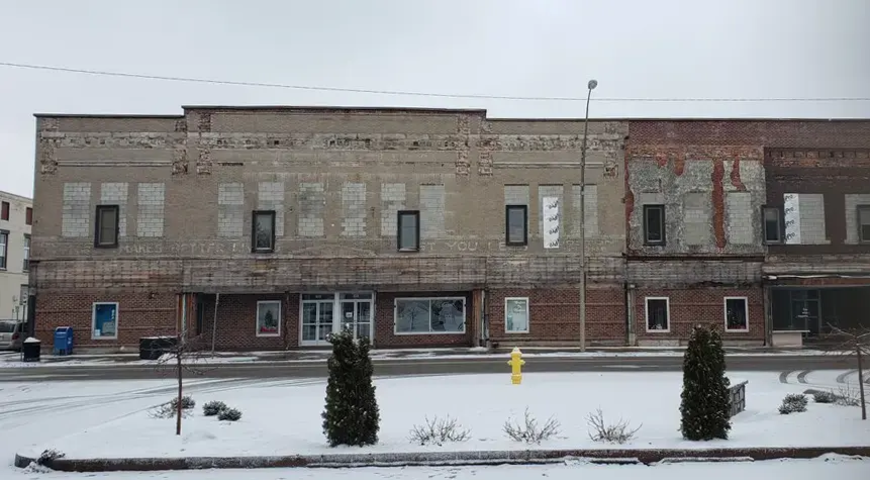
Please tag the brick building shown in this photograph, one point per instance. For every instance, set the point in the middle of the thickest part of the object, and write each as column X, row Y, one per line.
column 269, row 227
column 757, row 226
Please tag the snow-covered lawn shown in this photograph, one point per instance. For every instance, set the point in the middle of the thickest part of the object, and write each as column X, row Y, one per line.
column 283, row 417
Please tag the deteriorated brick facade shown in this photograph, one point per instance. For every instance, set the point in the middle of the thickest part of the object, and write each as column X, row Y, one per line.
column 186, row 188
column 713, row 179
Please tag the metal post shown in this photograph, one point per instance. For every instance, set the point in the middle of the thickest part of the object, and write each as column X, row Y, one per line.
column 217, row 301
column 592, row 84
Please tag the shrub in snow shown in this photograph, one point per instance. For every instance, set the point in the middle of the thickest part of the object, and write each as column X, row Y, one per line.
column 706, row 402
column 187, row 402
column 48, row 456
column 848, row 396
column 824, row 397
column 601, row 431
column 213, row 408
column 792, row 403
column 351, row 415
column 530, row 432
column 229, row 414
column 439, row 431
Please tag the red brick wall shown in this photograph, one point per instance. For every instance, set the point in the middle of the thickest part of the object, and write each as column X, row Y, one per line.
column 689, row 307
column 139, row 315
column 554, row 315
column 385, row 336
column 237, row 323
column 806, row 134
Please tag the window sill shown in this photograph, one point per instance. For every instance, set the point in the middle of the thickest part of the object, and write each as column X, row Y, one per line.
column 658, row 331
column 739, row 330
column 103, row 338
column 408, row 250
column 525, row 332
column 645, row 244
column 268, row 335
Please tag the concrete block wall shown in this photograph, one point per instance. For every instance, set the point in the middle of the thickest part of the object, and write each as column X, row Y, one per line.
column 116, row 194
column 852, row 201
column 312, row 206
column 76, row 209
column 270, row 196
column 231, row 210
column 150, row 209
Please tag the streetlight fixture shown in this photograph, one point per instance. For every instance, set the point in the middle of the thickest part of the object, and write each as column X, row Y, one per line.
column 590, row 86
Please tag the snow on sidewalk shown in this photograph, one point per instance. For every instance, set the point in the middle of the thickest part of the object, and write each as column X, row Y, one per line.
column 285, row 420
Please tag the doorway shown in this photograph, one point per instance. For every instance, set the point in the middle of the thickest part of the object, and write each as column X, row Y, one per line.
column 324, row 313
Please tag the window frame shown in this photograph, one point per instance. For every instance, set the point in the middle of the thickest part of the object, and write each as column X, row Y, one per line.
column 745, row 312
column 858, row 209
column 28, row 215
column 4, row 250
column 430, row 331
column 507, row 225
column 779, row 222
column 399, row 215
column 257, row 319
column 5, row 210
column 98, row 224
column 646, row 240
column 254, row 215
column 25, row 262
column 646, row 301
column 528, row 317
column 94, row 321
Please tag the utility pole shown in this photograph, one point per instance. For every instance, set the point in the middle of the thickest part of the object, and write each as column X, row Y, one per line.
column 591, row 86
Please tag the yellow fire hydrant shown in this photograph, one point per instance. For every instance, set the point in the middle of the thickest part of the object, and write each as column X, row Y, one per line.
column 516, row 362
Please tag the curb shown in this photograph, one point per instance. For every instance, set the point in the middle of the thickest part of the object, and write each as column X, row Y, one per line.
column 432, row 459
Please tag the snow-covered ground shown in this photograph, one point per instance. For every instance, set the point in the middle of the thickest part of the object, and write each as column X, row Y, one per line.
column 283, row 416
column 12, row 360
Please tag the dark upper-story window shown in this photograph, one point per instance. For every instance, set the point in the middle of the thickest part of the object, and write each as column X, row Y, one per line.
column 864, row 223
column 409, row 231
column 654, row 225
column 773, row 230
column 4, row 248
column 263, row 231
column 106, row 227
column 516, row 224
column 4, row 210
column 28, row 216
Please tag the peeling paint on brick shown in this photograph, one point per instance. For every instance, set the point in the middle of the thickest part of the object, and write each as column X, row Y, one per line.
column 735, row 175
column 718, row 202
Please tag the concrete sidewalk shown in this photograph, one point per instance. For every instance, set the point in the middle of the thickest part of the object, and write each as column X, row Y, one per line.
column 307, row 356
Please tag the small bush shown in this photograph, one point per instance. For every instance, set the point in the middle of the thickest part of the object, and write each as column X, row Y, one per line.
column 793, row 403
column 48, row 456
column 187, row 402
column 848, row 396
column 824, row 397
column 438, row 432
column 530, row 432
column 229, row 414
column 600, row 431
column 213, row 408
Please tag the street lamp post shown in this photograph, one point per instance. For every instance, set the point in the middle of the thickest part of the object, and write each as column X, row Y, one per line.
column 591, row 86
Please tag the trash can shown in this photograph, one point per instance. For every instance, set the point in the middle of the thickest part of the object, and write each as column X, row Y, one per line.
column 63, row 341
column 152, row 348
column 30, row 350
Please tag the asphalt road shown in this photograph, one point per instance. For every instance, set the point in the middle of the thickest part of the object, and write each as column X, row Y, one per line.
column 439, row 366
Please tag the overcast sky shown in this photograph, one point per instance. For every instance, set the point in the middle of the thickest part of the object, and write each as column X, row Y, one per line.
column 532, row 48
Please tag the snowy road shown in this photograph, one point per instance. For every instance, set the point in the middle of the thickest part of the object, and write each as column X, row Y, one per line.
column 34, row 413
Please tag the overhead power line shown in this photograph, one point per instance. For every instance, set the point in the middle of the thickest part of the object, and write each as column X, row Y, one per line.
column 411, row 93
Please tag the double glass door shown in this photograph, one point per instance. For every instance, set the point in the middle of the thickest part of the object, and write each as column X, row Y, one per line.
column 323, row 314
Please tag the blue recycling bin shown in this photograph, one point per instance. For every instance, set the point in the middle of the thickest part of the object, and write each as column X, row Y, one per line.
column 63, row 341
